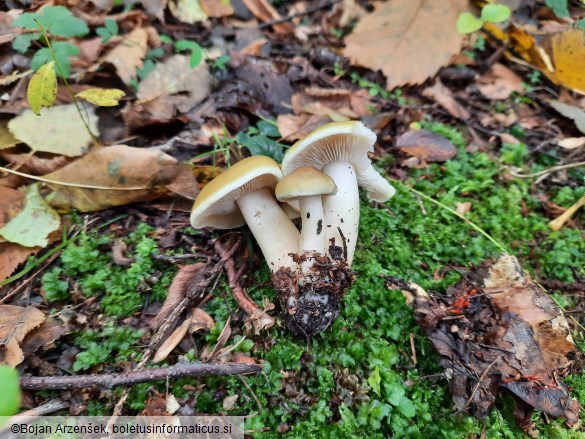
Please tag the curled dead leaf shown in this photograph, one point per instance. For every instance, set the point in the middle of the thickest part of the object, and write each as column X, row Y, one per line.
column 426, row 145
column 171, row 342
column 15, row 323
column 200, row 321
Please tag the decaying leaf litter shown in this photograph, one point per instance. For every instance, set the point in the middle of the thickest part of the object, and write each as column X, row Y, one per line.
column 200, row 91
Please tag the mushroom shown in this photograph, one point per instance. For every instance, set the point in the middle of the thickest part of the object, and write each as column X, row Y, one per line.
column 243, row 194
column 306, row 185
column 340, row 150
column 311, row 302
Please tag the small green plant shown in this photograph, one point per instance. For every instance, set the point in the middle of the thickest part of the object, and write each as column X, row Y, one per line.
column 195, row 49
column 468, row 23
column 112, row 344
column 57, row 21
column 373, row 88
column 109, row 31
column 559, row 7
column 10, row 394
column 260, row 140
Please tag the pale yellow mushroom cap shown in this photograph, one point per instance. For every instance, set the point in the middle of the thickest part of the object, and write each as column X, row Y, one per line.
column 347, row 141
column 304, row 182
column 216, row 204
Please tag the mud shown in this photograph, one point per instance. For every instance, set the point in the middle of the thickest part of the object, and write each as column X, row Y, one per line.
column 310, row 304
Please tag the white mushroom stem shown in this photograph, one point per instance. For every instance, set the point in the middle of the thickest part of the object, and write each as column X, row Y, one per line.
column 313, row 238
column 275, row 233
column 342, row 210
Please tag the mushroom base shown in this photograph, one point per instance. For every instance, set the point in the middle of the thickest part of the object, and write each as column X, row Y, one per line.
column 310, row 304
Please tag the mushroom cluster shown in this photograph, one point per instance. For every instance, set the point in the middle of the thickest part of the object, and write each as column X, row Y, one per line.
column 319, row 177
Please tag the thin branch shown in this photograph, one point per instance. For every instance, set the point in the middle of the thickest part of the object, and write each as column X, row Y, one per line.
column 297, row 15
column 108, row 381
column 547, row 171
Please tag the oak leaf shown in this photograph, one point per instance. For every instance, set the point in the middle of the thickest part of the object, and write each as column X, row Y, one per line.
column 409, row 40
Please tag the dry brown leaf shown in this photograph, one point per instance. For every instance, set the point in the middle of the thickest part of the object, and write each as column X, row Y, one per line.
column 463, row 208
column 499, row 82
column 216, row 8
column 336, row 104
column 264, row 11
column 129, row 54
column 200, row 321
column 508, row 333
column 15, row 323
column 572, row 142
column 429, row 146
column 292, row 127
column 172, row 342
column 172, row 87
column 43, row 336
column 409, row 40
column 35, row 164
column 11, row 203
column 12, row 255
column 444, row 97
column 351, row 11
column 155, row 8
column 118, row 166
column 229, row 402
column 509, row 138
column 7, row 31
column 186, row 276
column 224, row 336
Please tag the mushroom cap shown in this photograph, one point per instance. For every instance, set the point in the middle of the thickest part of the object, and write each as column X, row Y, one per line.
column 347, row 141
column 304, row 182
column 216, row 204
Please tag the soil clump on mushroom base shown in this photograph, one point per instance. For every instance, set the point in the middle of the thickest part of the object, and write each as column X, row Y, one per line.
column 309, row 306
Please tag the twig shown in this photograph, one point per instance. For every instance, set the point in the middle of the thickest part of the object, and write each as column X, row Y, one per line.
column 559, row 222
column 52, row 406
column 108, row 381
column 256, row 315
column 547, row 171
column 298, row 14
column 195, row 292
column 413, row 348
column 169, row 258
column 479, row 383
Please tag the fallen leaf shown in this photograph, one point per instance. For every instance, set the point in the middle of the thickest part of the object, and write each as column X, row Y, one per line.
column 509, row 138
column 155, row 8
column 172, row 404
column 337, row 104
column 11, row 256
column 35, row 164
column 172, row 87
column 508, row 334
column 7, row 140
column 444, row 97
column 499, row 82
column 462, row 208
column 11, row 204
column 295, row 127
column 187, row 275
column 409, row 40
column 216, row 8
column 102, row 97
column 229, row 402
column 571, row 112
column 43, row 336
column 15, row 323
column 59, row 130
column 128, row 55
column 200, row 321
column 351, row 11
column 42, row 88
column 264, row 11
column 134, row 174
column 171, row 342
column 572, row 142
column 568, row 58
column 7, row 31
column 426, row 145
column 32, row 226
column 187, row 11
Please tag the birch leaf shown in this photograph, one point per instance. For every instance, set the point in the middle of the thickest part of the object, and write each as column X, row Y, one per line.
column 42, row 89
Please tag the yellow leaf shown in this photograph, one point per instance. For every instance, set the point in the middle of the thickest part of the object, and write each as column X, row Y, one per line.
column 409, row 40
column 568, row 57
column 58, row 130
column 102, row 97
column 42, row 88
